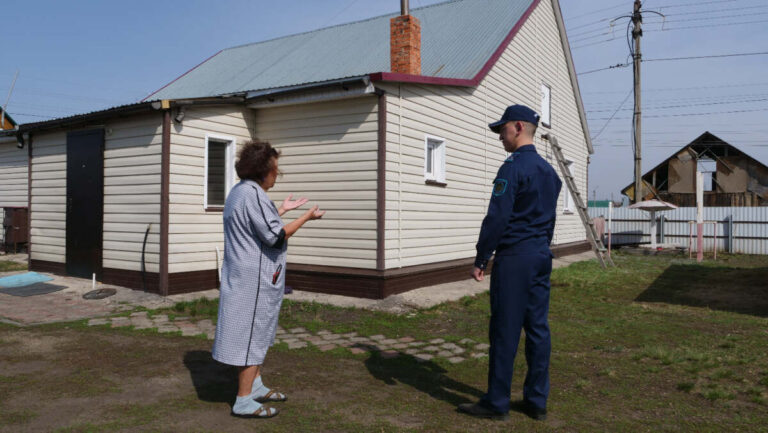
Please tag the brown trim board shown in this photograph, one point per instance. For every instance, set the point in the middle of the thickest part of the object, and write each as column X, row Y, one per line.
column 29, row 202
column 165, row 170
column 381, row 180
column 360, row 283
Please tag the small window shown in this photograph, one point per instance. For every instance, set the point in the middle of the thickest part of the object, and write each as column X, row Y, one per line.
column 546, row 106
column 434, row 160
column 708, row 169
column 219, row 170
column 569, row 205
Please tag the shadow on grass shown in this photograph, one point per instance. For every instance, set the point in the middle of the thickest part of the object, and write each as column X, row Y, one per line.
column 426, row 377
column 738, row 290
column 213, row 381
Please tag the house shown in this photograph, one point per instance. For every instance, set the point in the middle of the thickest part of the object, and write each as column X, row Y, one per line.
column 6, row 121
column 13, row 177
column 383, row 122
column 731, row 177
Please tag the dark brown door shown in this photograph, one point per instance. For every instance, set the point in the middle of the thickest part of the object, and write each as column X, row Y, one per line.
column 85, row 202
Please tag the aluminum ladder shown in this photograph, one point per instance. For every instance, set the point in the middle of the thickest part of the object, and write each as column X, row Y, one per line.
column 597, row 244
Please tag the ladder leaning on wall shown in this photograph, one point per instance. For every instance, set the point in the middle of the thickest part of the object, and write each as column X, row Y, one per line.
column 597, row 244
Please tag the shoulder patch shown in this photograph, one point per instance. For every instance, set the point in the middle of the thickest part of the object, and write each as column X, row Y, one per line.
column 511, row 158
column 499, row 187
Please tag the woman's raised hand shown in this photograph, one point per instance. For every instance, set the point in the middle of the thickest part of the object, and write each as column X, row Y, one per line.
column 315, row 213
column 290, row 205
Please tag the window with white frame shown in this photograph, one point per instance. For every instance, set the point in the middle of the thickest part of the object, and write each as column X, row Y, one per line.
column 569, row 205
column 546, row 106
column 434, row 159
column 219, row 169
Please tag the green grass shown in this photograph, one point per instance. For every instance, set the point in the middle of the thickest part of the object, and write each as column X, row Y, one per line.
column 8, row 266
column 651, row 345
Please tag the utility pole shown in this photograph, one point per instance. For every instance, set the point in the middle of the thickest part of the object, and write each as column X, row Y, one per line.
column 637, row 33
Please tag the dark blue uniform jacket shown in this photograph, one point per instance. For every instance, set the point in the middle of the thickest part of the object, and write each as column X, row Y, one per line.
column 521, row 214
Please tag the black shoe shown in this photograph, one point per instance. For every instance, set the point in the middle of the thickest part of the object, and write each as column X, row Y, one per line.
column 479, row 411
column 537, row 413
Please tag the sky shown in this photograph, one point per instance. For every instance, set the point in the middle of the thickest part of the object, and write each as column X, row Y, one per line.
column 85, row 55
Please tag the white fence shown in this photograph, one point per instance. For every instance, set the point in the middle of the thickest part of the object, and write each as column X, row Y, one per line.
column 739, row 229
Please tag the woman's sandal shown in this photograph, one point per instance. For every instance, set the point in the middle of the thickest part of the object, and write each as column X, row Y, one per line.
column 272, row 396
column 262, row 412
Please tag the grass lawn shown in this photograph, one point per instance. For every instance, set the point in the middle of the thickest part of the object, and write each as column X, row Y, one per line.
column 8, row 266
column 656, row 344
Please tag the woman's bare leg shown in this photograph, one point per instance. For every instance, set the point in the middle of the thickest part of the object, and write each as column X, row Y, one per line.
column 245, row 377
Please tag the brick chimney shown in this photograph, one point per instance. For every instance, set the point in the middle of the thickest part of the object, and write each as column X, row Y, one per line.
column 405, row 42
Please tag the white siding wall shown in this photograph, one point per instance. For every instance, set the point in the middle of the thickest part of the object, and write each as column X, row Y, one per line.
column 49, row 196
column 329, row 154
column 132, row 149
column 131, row 193
column 427, row 223
column 13, row 176
column 194, row 233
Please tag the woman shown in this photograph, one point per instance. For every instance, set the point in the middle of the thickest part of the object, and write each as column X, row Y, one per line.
column 253, row 275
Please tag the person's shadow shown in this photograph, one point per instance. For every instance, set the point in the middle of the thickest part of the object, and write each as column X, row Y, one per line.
column 213, row 381
column 426, row 377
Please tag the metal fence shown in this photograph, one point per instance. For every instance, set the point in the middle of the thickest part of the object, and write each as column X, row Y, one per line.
column 739, row 229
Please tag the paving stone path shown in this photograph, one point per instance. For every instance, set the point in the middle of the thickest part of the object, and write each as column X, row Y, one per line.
column 298, row 338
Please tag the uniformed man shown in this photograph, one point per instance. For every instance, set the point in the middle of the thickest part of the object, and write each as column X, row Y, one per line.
column 519, row 227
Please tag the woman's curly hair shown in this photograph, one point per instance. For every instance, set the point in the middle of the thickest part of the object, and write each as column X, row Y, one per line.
column 255, row 160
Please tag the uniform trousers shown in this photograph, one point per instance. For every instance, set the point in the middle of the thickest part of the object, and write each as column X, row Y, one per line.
column 519, row 300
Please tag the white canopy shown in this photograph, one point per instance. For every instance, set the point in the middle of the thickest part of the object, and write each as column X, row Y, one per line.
column 653, row 206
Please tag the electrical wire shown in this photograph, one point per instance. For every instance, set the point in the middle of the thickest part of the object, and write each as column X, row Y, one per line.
column 614, row 113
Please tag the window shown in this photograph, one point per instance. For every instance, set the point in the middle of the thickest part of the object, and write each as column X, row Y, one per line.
column 708, row 169
column 219, row 170
column 546, row 106
column 568, row 205
column 434, row 160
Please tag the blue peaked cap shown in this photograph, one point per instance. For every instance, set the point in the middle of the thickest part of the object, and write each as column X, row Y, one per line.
column 513, row 113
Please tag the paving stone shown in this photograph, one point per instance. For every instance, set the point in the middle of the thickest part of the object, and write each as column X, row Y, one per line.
column 416, row 343
column 343, row 343
column 458, row 351
column 290, row 340
column 139, row 314
column 437, row 341
column 445, row 354
column 482, row 346
column 167, row 328
column 205, row 323
column 297, row 345
column 359, row 339
column 160, row 318
column 331, row 336
column 405, row 339
column 97, row 322
column 430, row 349
column 478, row 355
column 449, row 346
column 280, row 331
column 298, row 330
column 411, row 351
column 144, row 325
column 190, row 332
column 120, row 323
column 388, row 341
column 466, row 341
column 323, row 332
column 303, row 335
column 350, row 335
column 455, row 359
column 326, row 347
column 357, row 350
column 377, row 337
column 180, row 319
column 399, row 346
column 210, row 335
column 423, row 357
column 389, row 354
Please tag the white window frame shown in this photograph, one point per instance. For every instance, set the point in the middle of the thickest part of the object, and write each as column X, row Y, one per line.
column 229, row 172
column 438, row 163
column 546, row 105
column 569, row 204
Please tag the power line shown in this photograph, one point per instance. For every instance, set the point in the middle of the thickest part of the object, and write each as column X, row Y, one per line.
column 691, row 114
column 666, row 107
column 614, row 113
column 666, row 59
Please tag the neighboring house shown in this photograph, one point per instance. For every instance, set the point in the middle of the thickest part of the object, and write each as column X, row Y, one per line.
column 7, row 121
column 731, row 177
column 13, row 173
column 395, row 146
